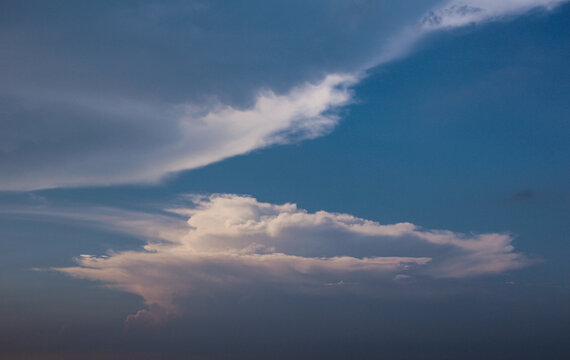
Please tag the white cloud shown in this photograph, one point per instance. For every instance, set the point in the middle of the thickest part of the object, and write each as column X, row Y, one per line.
column 455, row 14
column 196, row 136
column 231, row 242
column 304, row 111
column 57, row 138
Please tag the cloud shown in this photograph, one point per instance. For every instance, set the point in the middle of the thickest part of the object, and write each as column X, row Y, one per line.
column 154, row 97
column 522, row 195
column 196, row 137
column 454, row 14
column 459, row 13
column 228, row 243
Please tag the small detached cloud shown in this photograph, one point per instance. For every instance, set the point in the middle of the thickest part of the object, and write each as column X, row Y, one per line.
column 522, row 195
column 229, row 243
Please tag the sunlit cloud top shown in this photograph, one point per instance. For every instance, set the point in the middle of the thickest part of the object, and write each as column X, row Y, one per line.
column 231, row 241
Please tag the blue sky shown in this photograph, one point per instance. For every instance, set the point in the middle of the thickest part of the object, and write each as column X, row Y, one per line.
column 300, row 179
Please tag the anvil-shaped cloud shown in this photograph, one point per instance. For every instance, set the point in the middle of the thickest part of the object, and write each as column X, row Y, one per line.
column 118, row 111
column 231, row 242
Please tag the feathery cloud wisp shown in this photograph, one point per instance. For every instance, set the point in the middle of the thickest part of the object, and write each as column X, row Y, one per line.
column 57, row 137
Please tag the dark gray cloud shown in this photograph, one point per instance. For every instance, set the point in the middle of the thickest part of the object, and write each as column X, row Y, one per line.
column 185, row 50
column 522, row 195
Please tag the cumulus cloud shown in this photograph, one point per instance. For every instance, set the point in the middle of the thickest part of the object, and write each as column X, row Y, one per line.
column 230, row 243
column 124, row 113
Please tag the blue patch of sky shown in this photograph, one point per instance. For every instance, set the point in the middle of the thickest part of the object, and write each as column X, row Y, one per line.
column 445, row 138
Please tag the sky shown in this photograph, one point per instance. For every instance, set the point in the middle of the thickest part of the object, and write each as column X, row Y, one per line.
column 292, row 179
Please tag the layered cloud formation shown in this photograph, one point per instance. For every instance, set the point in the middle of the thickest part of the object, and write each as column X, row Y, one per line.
column 230, row 243
column 115, row 113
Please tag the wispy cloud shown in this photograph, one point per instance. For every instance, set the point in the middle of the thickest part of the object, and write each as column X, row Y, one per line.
column 230, row 242
column 186, row 136
column 57, row 138
column 455, row 14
